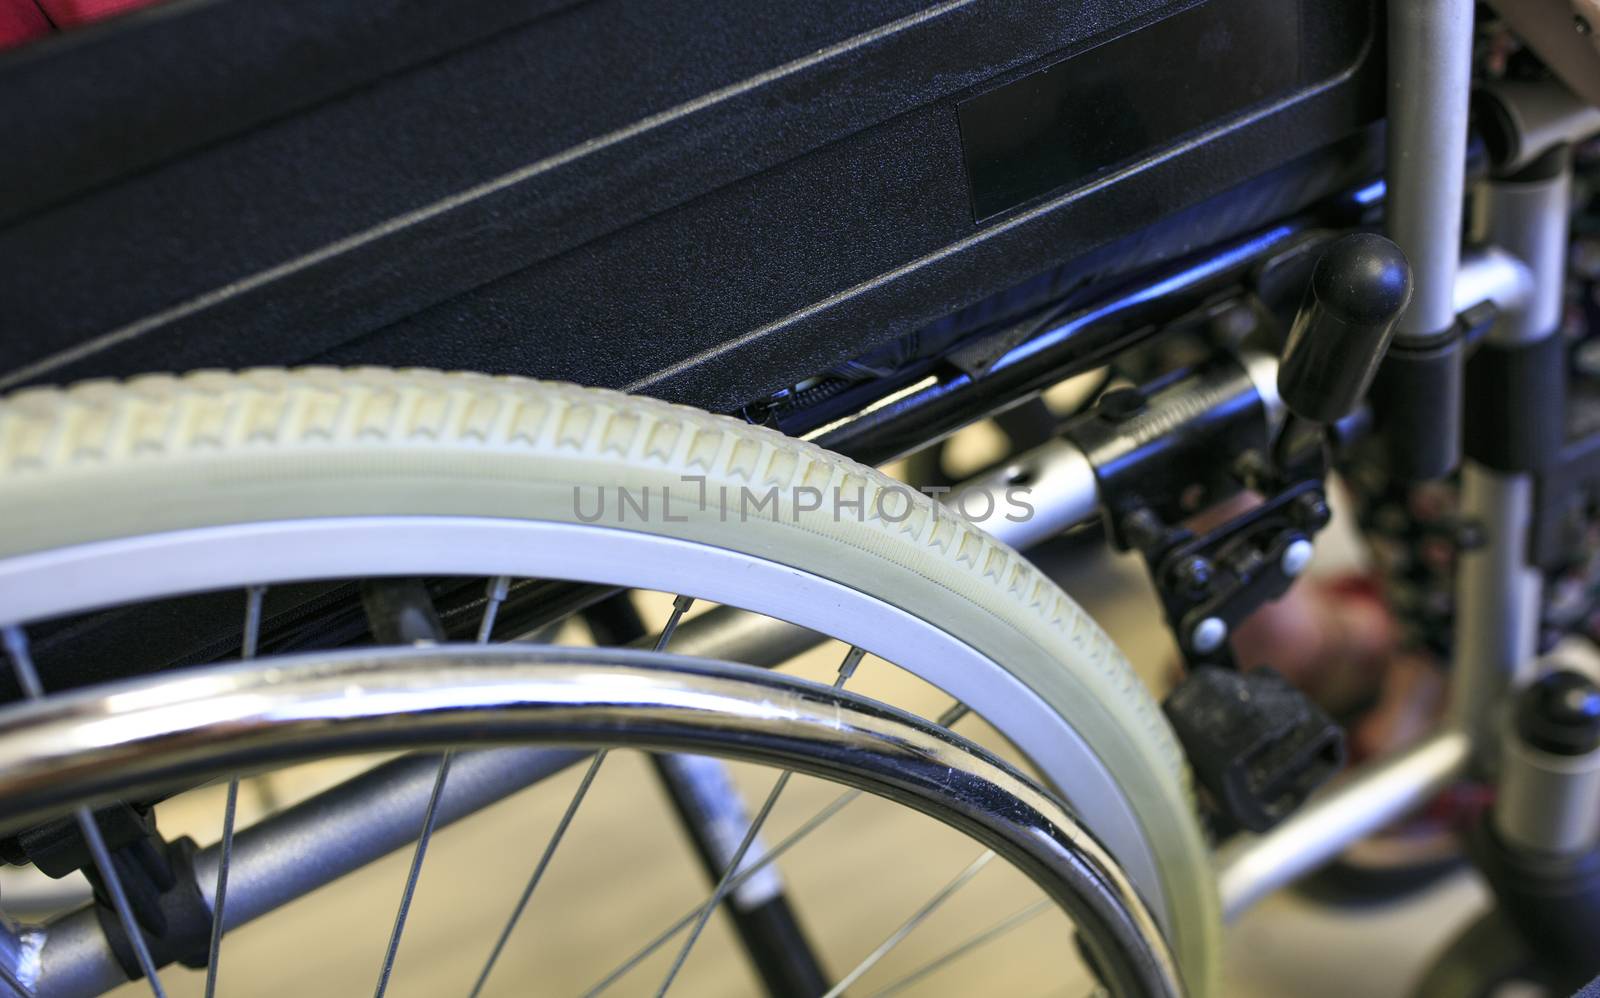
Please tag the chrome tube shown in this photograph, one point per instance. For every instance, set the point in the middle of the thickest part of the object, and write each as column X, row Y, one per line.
column 1055, row 478
column 1430, row 75
column 1417, row 394
column 1523, row 119
column 336, row 832
column 144, row 734
column 1491, row 274
column 1254, row 866
column 1498, row 592
column 1528, row 219
column 1547, row 804
column 1497, row 601
column 1501, row 607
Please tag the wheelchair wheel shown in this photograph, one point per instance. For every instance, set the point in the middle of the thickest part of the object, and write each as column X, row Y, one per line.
column 123, row 495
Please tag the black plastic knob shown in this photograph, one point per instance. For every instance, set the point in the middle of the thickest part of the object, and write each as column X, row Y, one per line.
column 1358, row 289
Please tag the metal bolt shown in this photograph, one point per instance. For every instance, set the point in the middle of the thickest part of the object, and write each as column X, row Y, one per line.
column 1208, row 635
column 1311, row 511
column 1193, row 576
column 1296, row 557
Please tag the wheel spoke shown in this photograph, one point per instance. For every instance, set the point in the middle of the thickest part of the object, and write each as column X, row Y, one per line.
column 953, row 714
column 922, row 914
column 847, row 669
column 499, row 587
column 815, row 821
column 993, row 932
column 679, row 606
column 721, row 890
column 16, row 643
column 248, row 644
column 430, row 818
column 495, row 595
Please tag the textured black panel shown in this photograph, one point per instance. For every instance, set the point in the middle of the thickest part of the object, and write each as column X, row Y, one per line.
column 1142, row 92
column 100, row 101
column 697, row 199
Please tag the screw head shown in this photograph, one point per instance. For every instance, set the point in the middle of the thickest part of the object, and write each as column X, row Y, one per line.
column 1208, row 635
column 1296, row 557
column 1193, row 575
column 1311, row 510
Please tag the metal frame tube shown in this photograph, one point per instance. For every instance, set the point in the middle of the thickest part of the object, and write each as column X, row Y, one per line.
column 1498, row 592
column 1061, row 486
column 1253, row 867
column 1527, row 217
column 1497, row 601
column 1548, row 804
column 1524, row 119
column 288, row 854
column 1491, row 274
column 1430, row 75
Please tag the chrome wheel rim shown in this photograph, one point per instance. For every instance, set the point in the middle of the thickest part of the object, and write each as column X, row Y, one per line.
column 71, row 749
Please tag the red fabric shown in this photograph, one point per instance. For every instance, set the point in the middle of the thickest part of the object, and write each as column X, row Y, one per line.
column 72, row 13
column 21, row 21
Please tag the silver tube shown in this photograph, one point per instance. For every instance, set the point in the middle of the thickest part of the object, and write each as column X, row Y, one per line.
column 1254, row 866
column 1262, row 370
column 1497, row 600
column 334, row 833
column 1430, row 73
column 1526, row 119
column 1491, row 274
column 1060, row 482
column 1547, row 803
column 1528, row 219
column 1060, row 486
column 1497, row 592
